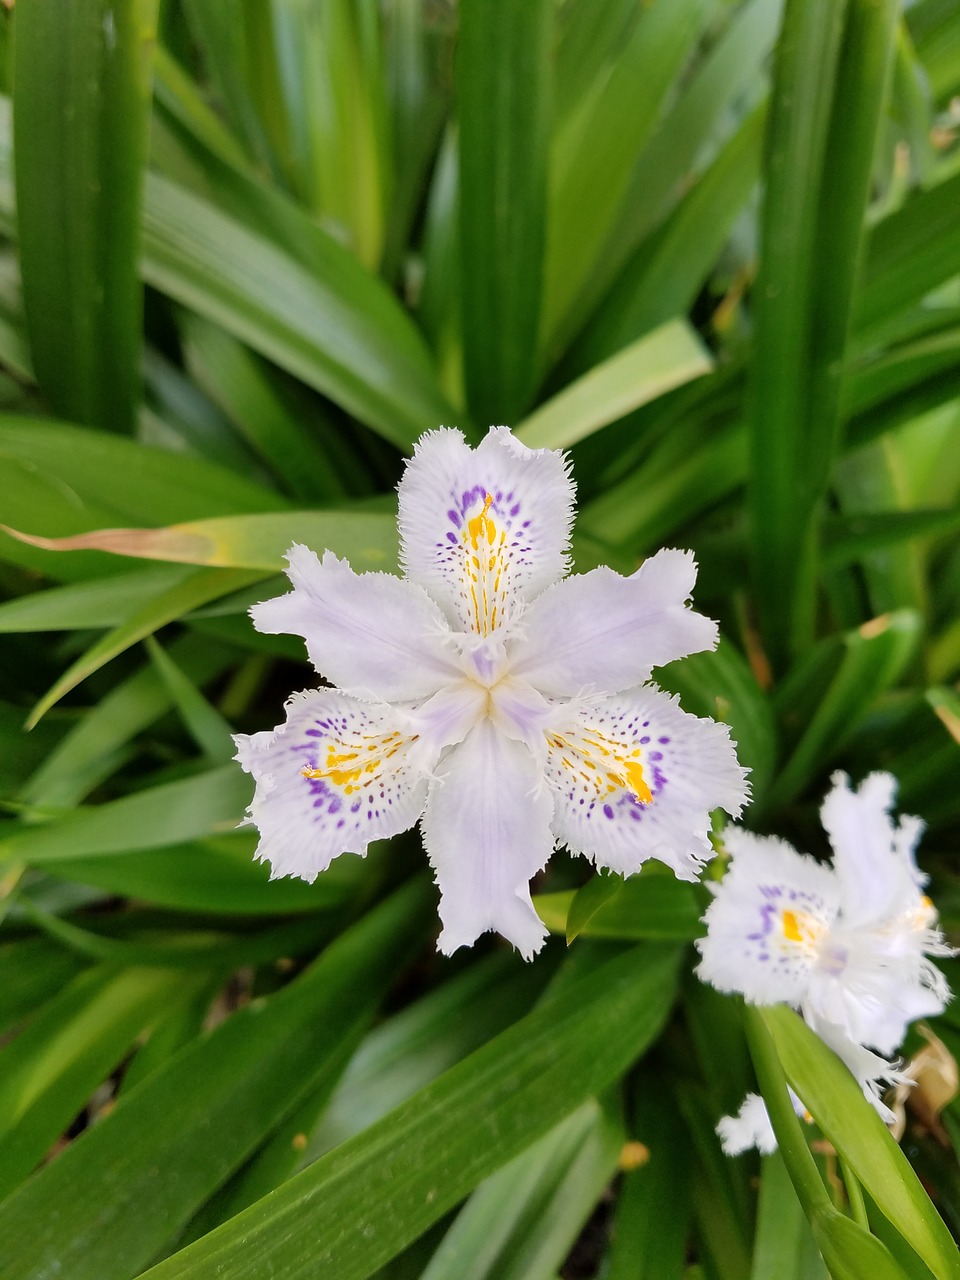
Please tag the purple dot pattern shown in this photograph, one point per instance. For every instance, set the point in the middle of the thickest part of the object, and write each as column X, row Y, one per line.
column 336, row 776
column 670, row 770
column 485, row 553
column 485, row 529
column 781, row 912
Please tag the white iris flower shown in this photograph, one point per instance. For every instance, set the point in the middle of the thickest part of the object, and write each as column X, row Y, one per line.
column 487, row 693
column 845, row 944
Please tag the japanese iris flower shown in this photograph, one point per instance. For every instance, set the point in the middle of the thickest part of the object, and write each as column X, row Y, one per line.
column 486, row 693
column 847, row 945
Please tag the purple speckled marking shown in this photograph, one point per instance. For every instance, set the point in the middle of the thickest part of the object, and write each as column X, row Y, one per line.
column 455, row 518
column 767, row 913
column 607, row 811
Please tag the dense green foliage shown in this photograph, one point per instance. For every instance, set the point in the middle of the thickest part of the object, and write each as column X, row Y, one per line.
column 249, row 251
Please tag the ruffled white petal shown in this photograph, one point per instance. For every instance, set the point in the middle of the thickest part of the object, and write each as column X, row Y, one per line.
column 873, row 1073
column 336, row 775
column 635, row 778
column 484, row 529
column 749, row 1128
column 487, row 831
column 372, row 634
column 874, row 863
column 767, row 919
column 603, row 633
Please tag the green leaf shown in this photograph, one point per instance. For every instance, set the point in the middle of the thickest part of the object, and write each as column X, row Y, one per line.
column 503, row 102
column 666, row 273
column 653, row 1208
column 872, row 659
column 910, row 253
column 833, row 1097
column 50, row 1070
column 650, row 905
column 830, row 79
column 102, row 602
column 720, row 684
column 32, row 971
column 125, row 1188
column 217, row 876
column 597, row 143
column 148, row 819
column 100, row 740
column 595, row 894
column 420, row 1042
column 81, row 101
column 335, row 327
column 360, row 1205
column 140, row 484
column 781, row 1245
column 209, row 730
column 400, row 1056
column 177, row 93
column 275, row 418
column 683, row 475
column 669, row 357
column 851, row 537
column 852, row 1253
column 523, row 1221
column 222, row 31
column 328, row 68
column 200, row 588
column 730, row 73
column 258, row 542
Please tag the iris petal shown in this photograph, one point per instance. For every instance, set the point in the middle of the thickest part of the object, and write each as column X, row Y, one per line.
column 336, row 775
column 635, row 778
column 371, row 634
column 487, row 831
column 604, row 633
column 485, row 529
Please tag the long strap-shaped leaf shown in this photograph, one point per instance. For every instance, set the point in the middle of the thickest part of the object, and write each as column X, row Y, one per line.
column 829, row 87
column 335, row 326
column 131, row 1182
column 81, row 98
column 364, row 1202
column 503, row 100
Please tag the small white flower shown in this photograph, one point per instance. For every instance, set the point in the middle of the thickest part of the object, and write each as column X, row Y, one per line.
column 487, row 693
column 846, row 944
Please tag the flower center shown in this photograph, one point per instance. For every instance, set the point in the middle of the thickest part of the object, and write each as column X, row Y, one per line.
column 802, row 929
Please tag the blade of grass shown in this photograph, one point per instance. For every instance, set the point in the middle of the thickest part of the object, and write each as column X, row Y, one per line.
column 359, row 1206
column 503, row 103
column 831, row 1094
column 250, row 543
column 669, row 357
column 148, row 819
column 81, row 100
column 127, row 1186
column 830, row 80
column 200, row 588
column 335, row 327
